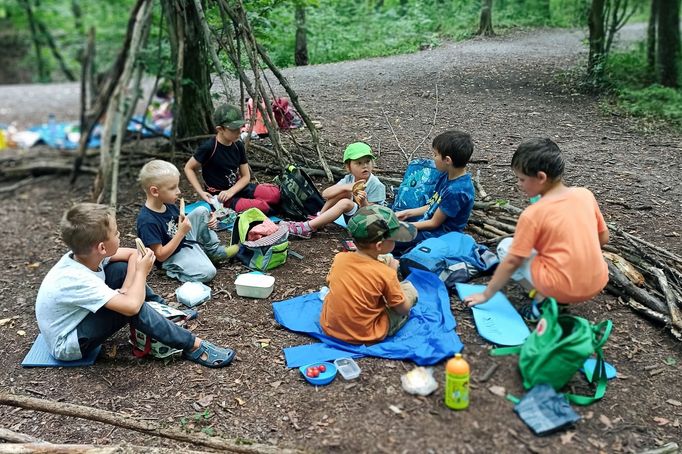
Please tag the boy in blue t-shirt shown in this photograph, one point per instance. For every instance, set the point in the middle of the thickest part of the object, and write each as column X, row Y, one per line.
column 449, row 208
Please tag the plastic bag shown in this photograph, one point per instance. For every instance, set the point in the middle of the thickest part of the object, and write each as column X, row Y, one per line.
column 193, row 293
column 419, row 381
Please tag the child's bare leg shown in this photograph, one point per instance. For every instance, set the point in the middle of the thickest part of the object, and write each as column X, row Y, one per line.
column 333, row 201
column 330, row 215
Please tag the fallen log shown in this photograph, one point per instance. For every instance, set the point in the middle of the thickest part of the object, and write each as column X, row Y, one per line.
column 47, row 448
column 17, row 437
column 148, row 427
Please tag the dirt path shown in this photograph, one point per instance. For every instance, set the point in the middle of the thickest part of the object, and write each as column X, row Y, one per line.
column 501, row 90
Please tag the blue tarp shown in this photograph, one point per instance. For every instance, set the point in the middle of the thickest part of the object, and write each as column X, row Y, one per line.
column 427, row 338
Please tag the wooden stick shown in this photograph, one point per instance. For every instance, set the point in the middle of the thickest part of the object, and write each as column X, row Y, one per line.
column 621, row 285
column 675, row 314
column 656, row 316
column 16, row 437
column 47, row 448
column 148, row 427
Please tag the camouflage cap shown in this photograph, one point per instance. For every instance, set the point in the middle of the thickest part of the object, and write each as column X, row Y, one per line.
column 228, row 116
column 376, row 223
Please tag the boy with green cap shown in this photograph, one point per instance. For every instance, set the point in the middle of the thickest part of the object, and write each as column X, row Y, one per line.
column 357, row 189
column 225, row 169
column 366, row 301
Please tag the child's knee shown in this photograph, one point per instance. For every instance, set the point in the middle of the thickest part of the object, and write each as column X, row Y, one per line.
column 269, row 193
column 347, row 205
column 206, row 273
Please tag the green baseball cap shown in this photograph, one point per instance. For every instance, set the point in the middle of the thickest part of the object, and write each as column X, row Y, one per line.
column 228, row 116
column 376, row 223
column 357, row 150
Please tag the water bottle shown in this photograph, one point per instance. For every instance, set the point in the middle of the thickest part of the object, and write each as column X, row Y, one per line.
column 457, row 383
column 53, row 132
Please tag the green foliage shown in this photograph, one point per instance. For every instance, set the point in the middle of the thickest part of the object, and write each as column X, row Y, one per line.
column 631, row 82
column 353, row 29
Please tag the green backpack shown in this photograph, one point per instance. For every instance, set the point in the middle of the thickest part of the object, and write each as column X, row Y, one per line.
column 265, row 253
column 558, row 348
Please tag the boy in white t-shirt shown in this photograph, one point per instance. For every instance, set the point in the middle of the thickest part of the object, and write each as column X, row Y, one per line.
column 97, row 288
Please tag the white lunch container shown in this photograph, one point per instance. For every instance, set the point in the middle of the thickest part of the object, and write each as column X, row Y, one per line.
column 254, row 285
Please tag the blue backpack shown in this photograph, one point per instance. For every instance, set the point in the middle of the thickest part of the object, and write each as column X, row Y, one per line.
column 418, row 185
column 453, row 257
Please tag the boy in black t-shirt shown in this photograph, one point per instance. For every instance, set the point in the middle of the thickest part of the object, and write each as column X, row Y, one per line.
column 225, row 169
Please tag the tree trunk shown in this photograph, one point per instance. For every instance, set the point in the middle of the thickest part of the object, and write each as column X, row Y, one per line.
column 43, row 75
column 301, row 54
column 595, row 60
column 486, row 23
column 193, row 106
column 668, row 42
column 651, row 37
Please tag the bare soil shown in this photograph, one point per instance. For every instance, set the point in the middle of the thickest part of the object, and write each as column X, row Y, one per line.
column 501, row 90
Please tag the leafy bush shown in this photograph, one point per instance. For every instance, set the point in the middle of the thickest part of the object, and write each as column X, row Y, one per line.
column 632, row 84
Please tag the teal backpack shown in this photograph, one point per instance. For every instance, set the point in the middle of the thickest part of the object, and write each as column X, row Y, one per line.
column 265, row 253
column 558, row 348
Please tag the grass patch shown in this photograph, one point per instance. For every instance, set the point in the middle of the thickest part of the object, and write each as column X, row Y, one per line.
column 635, row 92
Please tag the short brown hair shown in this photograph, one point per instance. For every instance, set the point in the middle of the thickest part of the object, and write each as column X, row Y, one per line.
column 86, row 224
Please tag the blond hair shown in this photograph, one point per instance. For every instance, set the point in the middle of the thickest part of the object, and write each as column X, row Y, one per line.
column 156, row 172
column 85, row 225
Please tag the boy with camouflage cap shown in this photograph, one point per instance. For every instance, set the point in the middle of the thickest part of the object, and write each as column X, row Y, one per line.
column 366, row 301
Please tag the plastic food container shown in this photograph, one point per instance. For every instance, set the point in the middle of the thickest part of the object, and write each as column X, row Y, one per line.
column 254, row 285
column 348, row 368
column 193, row 293
column 324, row 378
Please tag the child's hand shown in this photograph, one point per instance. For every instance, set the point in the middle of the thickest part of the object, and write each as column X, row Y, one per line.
column 185, row 226
column 224, row 196
column 476, row 298
column 212, row 221
column 402, row 215
column 146, row 262
column 206, row 197
column 361, row 198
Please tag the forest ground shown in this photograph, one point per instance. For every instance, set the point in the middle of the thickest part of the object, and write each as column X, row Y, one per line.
column 501, row 90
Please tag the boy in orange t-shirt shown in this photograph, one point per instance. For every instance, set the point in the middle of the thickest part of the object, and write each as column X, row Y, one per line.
column 366, row 301
column 556, row 251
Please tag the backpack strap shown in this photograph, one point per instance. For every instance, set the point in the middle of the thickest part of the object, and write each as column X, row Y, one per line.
column 602, row 329
column 600, row 377
column 505, row 351
column 215, row 147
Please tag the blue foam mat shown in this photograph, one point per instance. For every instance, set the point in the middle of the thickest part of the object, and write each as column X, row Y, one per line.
column 588, row 369
column 427, row 338
column 39, row 356
column 496, row 320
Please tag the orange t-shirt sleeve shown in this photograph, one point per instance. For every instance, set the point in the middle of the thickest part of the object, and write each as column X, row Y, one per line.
column 393, row 292
column 525, row 237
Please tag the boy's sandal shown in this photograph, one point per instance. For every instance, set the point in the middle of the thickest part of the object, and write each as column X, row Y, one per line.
column 191, row 314
column 530, row 312
column 297, row 229
column 215, row 356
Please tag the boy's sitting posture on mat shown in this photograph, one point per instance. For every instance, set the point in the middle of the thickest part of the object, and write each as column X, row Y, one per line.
column 97, row 288
column 556, row 250
column 449, row 208
column 366, row 301
column 357, row 189
column 185, row 246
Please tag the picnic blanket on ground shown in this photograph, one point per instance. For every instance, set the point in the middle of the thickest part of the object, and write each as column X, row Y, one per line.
column 427, row 337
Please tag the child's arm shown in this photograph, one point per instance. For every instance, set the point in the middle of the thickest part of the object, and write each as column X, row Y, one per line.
column 162, row 252
column 430, row 224
column 129, row 303
column 411, row 212
column 191, row 168
column 603, row 237
column 126, row 254
column 502, row 274
column 242, row 182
